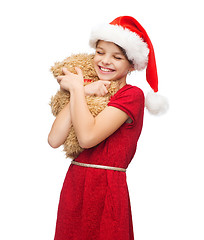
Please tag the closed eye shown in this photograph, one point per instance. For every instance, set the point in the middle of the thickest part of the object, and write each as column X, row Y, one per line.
column 98, row 52
column 118, row 58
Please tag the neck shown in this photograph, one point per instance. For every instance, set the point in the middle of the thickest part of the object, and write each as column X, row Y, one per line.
column 122, row 84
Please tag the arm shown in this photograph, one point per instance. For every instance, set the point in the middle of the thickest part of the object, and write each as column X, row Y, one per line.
column 89, row 130
column 60, row 128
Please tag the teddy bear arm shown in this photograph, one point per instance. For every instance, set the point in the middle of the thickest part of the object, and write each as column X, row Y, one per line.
column 59, row 101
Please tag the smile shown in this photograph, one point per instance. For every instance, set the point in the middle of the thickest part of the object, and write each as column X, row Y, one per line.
column 105, row 69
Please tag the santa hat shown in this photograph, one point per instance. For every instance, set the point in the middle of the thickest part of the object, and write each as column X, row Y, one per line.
column 127, row 32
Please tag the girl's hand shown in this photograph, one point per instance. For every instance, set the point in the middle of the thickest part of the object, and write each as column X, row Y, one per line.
column 98, row 88
column 69, row 81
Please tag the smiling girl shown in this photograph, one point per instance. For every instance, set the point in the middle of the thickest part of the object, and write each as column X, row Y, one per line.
column 110, row 62
column 94, row 201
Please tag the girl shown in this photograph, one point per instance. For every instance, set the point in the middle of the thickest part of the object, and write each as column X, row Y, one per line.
column 94, row 201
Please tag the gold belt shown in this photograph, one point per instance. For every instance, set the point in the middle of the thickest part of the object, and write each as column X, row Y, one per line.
column 98, row 166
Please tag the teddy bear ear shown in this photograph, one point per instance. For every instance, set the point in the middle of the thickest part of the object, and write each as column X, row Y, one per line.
column 56, row 69
column 82, row 60
column 156, row 104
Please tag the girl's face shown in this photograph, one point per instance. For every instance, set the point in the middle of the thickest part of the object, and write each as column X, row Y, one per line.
column 110, row 62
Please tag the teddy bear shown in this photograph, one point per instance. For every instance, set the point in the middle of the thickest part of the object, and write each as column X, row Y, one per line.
column 95, row 103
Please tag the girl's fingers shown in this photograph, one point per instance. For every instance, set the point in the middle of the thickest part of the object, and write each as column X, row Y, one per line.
column 106, row 83
column 59, row 79
column 79, row 71
column 65, row 71
column 104, row 91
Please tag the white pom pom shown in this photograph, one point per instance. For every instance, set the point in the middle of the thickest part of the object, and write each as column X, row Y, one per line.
column 156, row 104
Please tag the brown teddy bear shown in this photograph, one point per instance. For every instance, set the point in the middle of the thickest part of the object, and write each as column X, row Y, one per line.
column 95, row 104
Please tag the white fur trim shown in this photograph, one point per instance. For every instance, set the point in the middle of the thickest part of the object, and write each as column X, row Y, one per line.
column 136, row 49
column 156, row 104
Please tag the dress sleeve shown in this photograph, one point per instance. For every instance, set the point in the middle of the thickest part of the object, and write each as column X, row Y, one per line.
column 131, row 101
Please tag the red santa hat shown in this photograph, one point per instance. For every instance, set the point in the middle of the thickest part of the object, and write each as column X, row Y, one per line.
column 127, row 32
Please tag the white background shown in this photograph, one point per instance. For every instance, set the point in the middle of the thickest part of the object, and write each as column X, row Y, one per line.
column 165, row 177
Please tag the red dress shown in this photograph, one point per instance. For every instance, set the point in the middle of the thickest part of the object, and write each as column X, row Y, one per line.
column 94, row 203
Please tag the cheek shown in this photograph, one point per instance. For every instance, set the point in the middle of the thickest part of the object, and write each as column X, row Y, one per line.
column 96, row 59
column 95, row 62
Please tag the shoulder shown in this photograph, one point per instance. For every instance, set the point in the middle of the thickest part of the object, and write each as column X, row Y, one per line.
column 131, row 92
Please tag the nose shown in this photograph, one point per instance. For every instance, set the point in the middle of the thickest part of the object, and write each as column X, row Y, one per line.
column 106, row 60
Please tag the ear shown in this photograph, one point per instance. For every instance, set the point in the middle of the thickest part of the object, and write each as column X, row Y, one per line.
column 131, row 68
